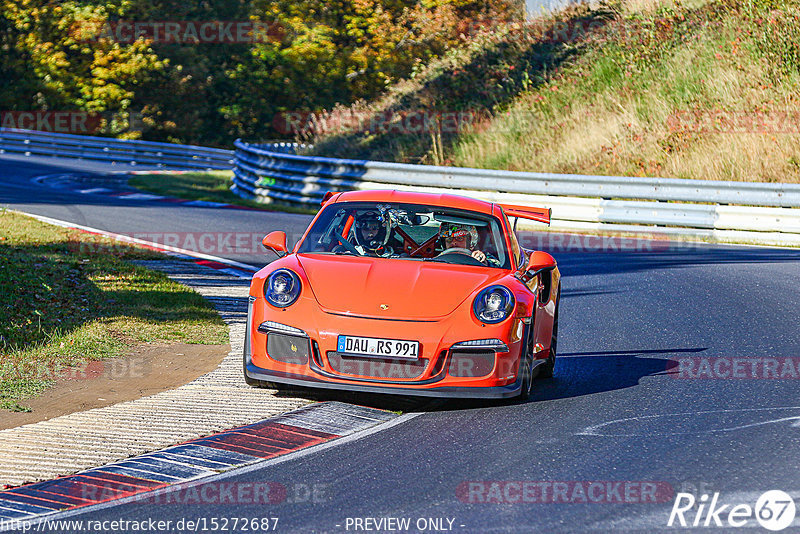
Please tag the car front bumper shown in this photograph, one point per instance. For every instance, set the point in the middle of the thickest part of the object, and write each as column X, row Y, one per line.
column 501, row 382
column 280, row 377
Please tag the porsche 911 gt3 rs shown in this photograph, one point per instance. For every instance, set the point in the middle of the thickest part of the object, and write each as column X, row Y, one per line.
column 406, row 293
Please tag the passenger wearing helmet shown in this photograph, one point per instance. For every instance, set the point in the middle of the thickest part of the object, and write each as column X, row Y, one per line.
column 462, row 239
column 370, row 233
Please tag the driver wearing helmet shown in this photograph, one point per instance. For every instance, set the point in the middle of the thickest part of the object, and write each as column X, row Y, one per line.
column 463, row 238
column 370, row 233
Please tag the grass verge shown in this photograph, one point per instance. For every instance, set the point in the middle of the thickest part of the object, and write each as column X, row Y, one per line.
column 212, row 186
column 70, row 298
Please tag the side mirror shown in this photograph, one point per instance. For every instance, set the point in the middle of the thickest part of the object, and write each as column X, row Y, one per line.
column 276, row 242
column 538, row 262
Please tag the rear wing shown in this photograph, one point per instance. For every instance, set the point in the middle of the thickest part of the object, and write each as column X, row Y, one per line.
column 541, row 215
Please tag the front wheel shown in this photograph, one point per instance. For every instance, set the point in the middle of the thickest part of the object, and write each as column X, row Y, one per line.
column 527, row 378
column 526, row 367
column 546, row 370
column 250, row 381
column 253, row 382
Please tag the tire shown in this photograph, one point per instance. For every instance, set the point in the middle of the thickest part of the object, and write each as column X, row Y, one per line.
column 253, row 382
column 526, row 367
column 247, row 380
column 546, row 369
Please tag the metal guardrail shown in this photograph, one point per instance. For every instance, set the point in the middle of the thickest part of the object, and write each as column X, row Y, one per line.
column 35, row 143
column 727, row 211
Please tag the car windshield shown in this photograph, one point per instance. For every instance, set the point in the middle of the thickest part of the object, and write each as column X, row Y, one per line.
column 408, row 232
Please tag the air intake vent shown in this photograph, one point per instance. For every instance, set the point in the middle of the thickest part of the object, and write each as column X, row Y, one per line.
column 376, row 368
column 288, row 349
column 471, row 364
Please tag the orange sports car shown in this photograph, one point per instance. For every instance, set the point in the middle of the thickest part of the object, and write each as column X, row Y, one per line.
column 408, row 293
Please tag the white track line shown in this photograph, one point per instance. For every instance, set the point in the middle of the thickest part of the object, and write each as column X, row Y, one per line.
column 128, row 239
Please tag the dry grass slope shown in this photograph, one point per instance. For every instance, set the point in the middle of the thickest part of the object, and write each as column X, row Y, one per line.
column 693, row 89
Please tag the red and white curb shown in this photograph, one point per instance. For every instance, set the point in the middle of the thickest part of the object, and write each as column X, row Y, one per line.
column 211, row 403
column 151, row 477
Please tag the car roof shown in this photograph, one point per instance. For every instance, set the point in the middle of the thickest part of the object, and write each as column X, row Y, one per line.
column 412, row 197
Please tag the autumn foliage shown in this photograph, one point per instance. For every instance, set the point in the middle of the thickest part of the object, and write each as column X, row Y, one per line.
column 60, row 55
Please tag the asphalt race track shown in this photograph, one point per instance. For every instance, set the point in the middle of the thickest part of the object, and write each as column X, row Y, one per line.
column 679, row 371
column 134, row 217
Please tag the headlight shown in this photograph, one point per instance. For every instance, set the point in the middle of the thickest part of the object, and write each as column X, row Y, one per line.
column 493, row 304
column 282, row 288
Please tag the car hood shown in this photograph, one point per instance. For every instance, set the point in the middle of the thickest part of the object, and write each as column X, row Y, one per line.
column 392, row 288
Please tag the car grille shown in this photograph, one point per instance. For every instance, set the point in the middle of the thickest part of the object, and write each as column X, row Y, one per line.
column 288, row 349
column 349, row 365
column 471, row 364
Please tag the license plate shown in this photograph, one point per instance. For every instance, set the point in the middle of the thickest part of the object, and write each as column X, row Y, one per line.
column 378, row 347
